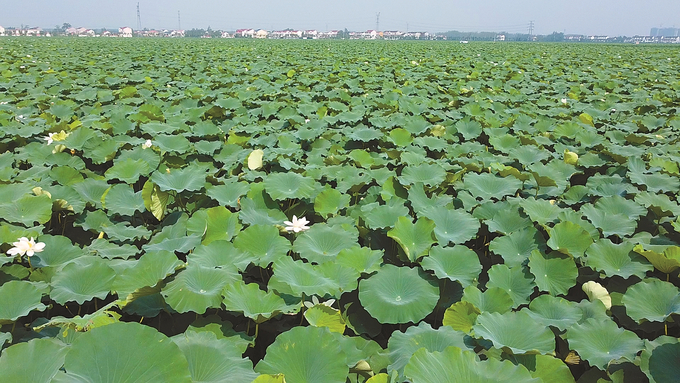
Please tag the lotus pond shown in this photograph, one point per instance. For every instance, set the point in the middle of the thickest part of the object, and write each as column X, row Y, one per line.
column 260, row 211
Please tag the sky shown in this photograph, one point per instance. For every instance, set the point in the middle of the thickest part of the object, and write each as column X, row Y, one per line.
column 591, row 17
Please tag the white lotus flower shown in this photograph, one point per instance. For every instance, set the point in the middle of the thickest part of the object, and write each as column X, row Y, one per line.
column 49, row 138
column 297, row 225
column 26, row 246
column 315, row 301
column 564, row 101
column 147, row 144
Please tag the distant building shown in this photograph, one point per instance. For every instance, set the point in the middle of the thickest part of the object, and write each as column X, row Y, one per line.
column 2, row 31
column 125, row 32
column 245, row 33
column 261, row 34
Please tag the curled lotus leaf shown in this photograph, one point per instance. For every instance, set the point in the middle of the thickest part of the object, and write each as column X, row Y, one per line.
column 516, row 331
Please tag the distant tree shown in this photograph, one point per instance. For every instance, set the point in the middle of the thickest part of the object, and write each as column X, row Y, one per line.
column 554, row 37
column 194, row 33
column 65, row 26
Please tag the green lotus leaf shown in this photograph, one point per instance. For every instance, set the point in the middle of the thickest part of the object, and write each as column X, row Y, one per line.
column 414, row 239
column 602, row 341
column 569, row 238
column 65, row 175
column 470, row 129
column 402, row 345
column 656, row 182
column 457, row 263
column 5, row 337
column 607, row 186
column 424, row 205
column 383, row 216
column 428, row 174
column 651, row 299
column 300, row 352
column 322, row 243
column 281, row 186
column 100, row 150
column 254, row 213
column 618, row 205
column 207, row 147
column 27, row 210
column 151, row 268
column 321, row 315
column 105, row 249
column 197, row 288
column 398, row 295
column 330, row 201
column 254, row 303
column 453, row 226
column 155, row 200
column 83, row 279
column 613, row 259
column 507, row 221
column 553, row 311
column 660, row 204
column 493, row 299
column 540, row 211
column 121, row 199
column 553, row 273
column 297, row 278
column 516, row 281
column 666, row 261
column 213, row 359
column 515, row 330
column 610, row 224
column 262, row 242
column 400, row 137
column 221, row 255
column 461, row 316
column 229, row 193
column 45, row 356
column 128, row 170
column 212, row 224
column 123, row 352
column 456, row 365
column 17, row 299
column 122, row 231
column 190, row 178
column 172, row 143
column 662, row 365
column 174, row 236
column 362, row 259
column 488, row 186
column 545, row 367
column 516, row 247
column 58, row 251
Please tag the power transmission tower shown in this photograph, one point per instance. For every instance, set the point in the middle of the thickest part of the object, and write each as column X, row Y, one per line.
column 139, row 19
column 377, row 21
column 179, row 25
column 531, row 28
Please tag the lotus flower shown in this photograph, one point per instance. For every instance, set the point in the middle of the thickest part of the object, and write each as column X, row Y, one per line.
column 297, row 225
column 26, row 246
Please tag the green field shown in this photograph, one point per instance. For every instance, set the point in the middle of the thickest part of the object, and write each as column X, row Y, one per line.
column 481, row 212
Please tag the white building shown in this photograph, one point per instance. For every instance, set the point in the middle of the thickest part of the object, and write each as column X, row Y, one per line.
column 2, row 31
column 125, row 32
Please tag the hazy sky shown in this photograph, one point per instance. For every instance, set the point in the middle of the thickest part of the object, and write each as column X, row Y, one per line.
column 602, row 17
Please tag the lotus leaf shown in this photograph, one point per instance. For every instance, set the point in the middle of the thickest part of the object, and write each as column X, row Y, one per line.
column 306, row 355
column 362, row 259
column 457, row 263
column 229, row 193
column 323, row 316
column 213, row 359
column 27, row 210
column 197, row 288
column 488, row 186
column 651, row 299
column 545, row 367
column 398, row 295
column 507, row 221
column 569, row 238
column 402, row 345
column 666, row 261
column 453, row 226
column 297, row 278
column 494, row 299
column 554, row 273
column 554, row 311
column 516, row 247
column 58, row 251
column 384, row 216
column 540, row 211
column 414, row 239
column 215, row 223
column 128, row 170
column 456, row 365
column 18, row 298
column 330, row 201
column 601, row 341
column 516, row 281
column 263, row 242
column 322, row 243
column 462, row 316
column 144, row 353
column 190, row 178
column 254, row 303
column 281, row 186
column 663, row 366
column 428, row 174
column 121, row 199
column 45, row 356
column 517, row 331
column 82, row 280
column 613, row 259
column 148, row 271
column 221, row 255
